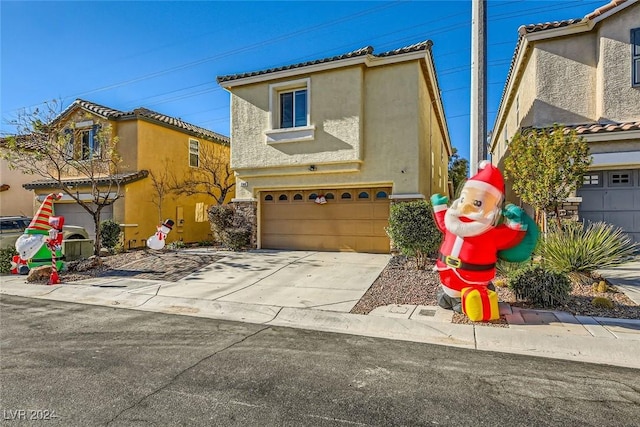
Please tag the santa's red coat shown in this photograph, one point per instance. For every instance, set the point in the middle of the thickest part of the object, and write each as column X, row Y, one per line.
column 476, row 250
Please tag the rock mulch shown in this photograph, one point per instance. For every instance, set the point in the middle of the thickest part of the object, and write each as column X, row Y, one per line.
column 401, row 283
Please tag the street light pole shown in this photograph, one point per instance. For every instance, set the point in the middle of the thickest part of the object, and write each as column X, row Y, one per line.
column 478, row 134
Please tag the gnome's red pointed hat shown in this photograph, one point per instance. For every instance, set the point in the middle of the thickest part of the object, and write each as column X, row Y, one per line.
column 489, row 179
column 40, row 222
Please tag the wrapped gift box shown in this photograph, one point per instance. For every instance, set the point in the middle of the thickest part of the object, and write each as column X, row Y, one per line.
column 480, row 304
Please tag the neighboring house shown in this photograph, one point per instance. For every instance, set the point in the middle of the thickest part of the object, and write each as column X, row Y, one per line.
column 14, row 199
column 149, row 144
column 322, row 148
column 583, row 74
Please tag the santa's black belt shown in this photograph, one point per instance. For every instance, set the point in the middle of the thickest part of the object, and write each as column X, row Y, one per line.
column 454, row 262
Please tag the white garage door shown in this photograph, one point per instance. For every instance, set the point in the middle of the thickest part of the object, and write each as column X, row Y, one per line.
column 612, row 197
column 74, row 214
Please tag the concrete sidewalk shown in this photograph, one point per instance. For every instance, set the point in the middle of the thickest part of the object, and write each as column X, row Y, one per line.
column 280, row 288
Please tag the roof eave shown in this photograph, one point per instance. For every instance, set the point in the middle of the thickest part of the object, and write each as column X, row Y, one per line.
column 367, row 60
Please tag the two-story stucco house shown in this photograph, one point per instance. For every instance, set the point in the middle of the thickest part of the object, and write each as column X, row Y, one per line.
column 322, row 148
column 149, row 144
column 584, row 74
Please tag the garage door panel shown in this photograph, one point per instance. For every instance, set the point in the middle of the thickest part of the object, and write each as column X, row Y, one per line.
column 618, row 199
column 74, row 214
column 614, row 200
column 592, row 200
column 338, row 225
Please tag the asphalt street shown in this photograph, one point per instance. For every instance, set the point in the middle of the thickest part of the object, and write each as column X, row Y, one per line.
column 81, row 365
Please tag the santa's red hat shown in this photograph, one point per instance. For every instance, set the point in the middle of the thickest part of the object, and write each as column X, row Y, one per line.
column 489, row 179
column 40, row 222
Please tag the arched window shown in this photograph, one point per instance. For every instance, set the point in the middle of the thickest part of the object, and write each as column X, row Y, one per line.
column 268, row 198
column 283, row 197
column 363, row 195
column 313, row 196
column 345, row 195
column 329, row 196
column 298, row 196
column 381, row 195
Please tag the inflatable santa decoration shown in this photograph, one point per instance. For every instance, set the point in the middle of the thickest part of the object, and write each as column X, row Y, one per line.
column 476, row 229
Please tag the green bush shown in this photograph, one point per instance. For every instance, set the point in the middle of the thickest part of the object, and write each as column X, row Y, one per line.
column 413, row 230
column 230, row 227
column 5, row 259
column 110, row 234
column 578, row 248
column 540, row 286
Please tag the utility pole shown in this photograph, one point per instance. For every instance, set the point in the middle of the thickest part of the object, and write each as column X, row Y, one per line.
column 478, row 150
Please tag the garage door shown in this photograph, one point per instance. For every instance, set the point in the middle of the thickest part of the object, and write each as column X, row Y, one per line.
column 351, row 220
column 74, row 214
column 612, row 197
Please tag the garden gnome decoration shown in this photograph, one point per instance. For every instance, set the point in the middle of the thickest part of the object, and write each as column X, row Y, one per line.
column 32, row 245
column 475, row 229
column 157, row 241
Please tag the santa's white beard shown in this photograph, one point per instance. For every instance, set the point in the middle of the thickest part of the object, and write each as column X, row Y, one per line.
column 478, row 224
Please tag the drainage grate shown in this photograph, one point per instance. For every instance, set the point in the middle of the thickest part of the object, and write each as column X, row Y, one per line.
column 425, row 312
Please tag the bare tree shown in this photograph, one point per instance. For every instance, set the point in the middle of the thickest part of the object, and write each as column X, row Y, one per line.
column 46, row 145
column 162, row 183
column 212, row 177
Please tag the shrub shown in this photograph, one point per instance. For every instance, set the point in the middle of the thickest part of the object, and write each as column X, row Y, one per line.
column 5, row 259
column 178, row 244
column 540, row 286
column 230, row 227
column 579, row 249
column 413, row 230
column 110, row 234
column 602, row 302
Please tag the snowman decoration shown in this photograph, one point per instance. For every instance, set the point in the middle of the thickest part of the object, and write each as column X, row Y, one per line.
column 157, row 241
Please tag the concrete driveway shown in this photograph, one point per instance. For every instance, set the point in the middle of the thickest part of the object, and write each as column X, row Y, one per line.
column 333, row 281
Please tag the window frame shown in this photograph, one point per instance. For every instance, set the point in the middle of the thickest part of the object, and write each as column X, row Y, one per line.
column 192, row 153
column 276, row 133
column 635, row 57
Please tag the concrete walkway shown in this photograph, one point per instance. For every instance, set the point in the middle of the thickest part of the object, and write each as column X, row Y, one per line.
column 316, row 290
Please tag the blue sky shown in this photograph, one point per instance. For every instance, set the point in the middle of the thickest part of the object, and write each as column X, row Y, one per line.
column 166, row 55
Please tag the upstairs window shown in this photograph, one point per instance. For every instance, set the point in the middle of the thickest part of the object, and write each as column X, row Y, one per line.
column 289, row 104
column 83, row 143
column 194, row 153
column 293, row 109
column 635, row 57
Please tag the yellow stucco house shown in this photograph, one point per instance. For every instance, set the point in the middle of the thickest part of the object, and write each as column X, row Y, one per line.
column 321, row 149
column 583, row 74
column 150, row 144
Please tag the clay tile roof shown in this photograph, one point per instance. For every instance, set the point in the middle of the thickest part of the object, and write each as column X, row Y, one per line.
column 593, row 128
column 367, row 50
column 532, row 28
column 423, row 45
column 176, row 122
column 112, row 114
column 124, row 178
column 98, row 109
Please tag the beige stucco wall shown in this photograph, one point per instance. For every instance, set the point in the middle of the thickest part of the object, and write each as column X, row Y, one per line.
column 373, row 126
column 618, row 100
column 565, row 80
column 335, row 107
column 16, row 200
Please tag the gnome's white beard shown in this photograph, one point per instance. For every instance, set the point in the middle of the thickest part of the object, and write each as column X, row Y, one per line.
column 478, row 225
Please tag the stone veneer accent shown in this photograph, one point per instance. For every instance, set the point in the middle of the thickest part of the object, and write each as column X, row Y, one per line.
column 249, row 210
column 568, row 210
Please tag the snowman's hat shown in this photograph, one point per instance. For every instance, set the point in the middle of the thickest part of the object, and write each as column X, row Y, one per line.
column 168, row 223
column 40, row 222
